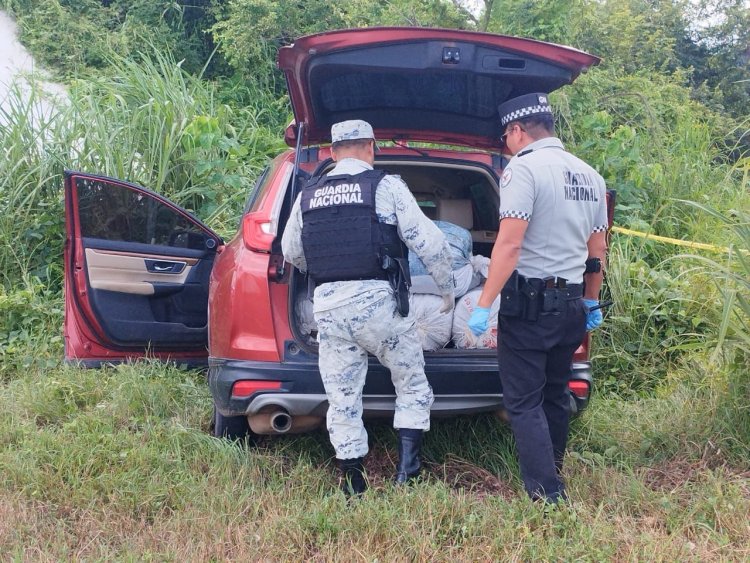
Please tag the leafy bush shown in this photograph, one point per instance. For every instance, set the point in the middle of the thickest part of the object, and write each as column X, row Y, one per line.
column 652, row 144
column 250, row 32
column 30, row 329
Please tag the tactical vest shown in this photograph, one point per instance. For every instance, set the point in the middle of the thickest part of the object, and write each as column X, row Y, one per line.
column 341, row 235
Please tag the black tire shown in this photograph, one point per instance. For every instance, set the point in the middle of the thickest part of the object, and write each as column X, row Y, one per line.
column 230, row 427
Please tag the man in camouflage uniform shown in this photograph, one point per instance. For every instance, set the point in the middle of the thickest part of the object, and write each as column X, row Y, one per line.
column 354, row 305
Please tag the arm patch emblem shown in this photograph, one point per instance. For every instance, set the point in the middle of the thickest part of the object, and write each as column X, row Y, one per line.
column 506, row 177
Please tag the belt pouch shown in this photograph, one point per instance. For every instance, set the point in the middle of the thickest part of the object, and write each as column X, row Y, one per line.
column 551, row 300
column 532, row 297
column 511, row 302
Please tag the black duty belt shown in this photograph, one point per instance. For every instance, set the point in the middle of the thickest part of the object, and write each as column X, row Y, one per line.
column 565, row 289
column 529, row 297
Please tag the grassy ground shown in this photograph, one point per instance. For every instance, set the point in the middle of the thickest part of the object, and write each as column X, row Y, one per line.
column 119, row 464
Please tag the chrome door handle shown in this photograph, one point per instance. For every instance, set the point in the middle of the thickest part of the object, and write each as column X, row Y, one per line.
column 165, row 266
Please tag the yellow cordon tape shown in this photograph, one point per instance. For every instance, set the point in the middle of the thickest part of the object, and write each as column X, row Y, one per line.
column 678, row 242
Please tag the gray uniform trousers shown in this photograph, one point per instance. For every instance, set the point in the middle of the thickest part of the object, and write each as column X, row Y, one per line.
column 370, row 323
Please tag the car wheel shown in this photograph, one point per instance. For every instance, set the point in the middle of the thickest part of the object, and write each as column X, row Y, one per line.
column 230, row 427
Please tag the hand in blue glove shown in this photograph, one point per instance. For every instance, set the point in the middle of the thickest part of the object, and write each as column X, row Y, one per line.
column 478, row 323
column 594, row 318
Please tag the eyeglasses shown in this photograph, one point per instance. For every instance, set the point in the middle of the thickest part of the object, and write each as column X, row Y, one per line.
column 504, row 136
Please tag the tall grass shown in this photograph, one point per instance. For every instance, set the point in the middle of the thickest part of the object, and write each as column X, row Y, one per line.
column 149, row 123
column 664, row 311
column 730, row 275
column 117, row 464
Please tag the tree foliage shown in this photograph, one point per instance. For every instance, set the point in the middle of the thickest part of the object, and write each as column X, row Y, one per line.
column 73, row 36
column 250, row 32
column 704, row 44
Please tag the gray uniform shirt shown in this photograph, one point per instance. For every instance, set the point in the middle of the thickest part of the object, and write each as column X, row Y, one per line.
column 564, row 201
column 394, row 205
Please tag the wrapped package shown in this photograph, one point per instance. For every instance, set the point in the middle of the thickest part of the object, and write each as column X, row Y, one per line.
column 464, row 279
column 481, row 266
column 303, row 309
column 459, row 244
column 433, row 327
column 465, row 275
column 461, row 333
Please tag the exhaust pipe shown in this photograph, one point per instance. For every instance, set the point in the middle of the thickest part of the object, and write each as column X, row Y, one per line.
column 281, row 422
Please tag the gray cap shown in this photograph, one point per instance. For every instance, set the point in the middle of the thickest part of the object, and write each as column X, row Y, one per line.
column 523, row 106
column 351, row 130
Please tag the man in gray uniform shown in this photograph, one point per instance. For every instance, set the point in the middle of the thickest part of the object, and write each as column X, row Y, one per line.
column 343, row 230
column 553, row 223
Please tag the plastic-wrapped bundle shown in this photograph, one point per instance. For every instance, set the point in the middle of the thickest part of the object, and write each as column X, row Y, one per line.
column 303, row 309
column 465, row 278
column 462, row 335
column 459, row 244
column 433, row 327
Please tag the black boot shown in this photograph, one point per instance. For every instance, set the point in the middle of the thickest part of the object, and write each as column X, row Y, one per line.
column 354, row 483
column 409, row 446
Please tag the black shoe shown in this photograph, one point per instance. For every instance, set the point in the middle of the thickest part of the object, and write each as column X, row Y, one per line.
column 558, row 498
column 354, row 484
column 409, row 446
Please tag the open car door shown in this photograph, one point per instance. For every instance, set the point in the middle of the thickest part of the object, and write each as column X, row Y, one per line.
column 137, row 269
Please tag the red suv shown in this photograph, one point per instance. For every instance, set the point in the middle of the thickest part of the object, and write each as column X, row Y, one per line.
column 145, row 278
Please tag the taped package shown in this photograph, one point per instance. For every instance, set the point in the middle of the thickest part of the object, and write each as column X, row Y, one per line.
column 303, row 310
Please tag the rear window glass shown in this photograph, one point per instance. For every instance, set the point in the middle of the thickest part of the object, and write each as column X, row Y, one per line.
column 260, row 186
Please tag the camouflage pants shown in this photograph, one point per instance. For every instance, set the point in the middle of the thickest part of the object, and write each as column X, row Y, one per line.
column 346, row 334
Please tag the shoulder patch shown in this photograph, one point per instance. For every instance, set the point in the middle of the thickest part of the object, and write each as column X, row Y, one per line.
column 506, row 177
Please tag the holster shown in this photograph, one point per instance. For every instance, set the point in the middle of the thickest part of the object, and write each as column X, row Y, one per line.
column 511, row 300
column 553, row 299
column 532, row 292
column 400, row 280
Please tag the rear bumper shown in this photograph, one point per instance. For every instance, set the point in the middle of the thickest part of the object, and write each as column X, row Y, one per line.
column 462, row 382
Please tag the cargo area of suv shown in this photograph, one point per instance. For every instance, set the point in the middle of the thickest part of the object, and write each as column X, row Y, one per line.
column 458, row 195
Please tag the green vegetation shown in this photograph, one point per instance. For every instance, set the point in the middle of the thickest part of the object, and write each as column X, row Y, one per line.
column 118, row 463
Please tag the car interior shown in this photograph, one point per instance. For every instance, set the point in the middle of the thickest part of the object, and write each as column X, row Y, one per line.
column 459, row 193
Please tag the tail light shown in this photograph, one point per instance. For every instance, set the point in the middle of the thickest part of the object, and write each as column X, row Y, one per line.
column 258, row 231
column 247, row 387
column 579, row 388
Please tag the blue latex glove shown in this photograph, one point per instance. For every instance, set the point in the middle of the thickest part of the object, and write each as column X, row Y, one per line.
column 594, row 318
column 478, row 323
